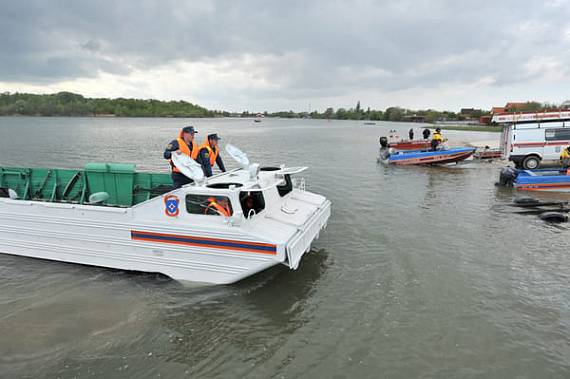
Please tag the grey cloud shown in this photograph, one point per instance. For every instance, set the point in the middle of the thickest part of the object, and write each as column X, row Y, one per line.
column 92, row 45
column 344, row 45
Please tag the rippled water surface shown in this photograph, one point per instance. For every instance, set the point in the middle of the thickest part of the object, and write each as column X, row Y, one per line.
column 421, row 272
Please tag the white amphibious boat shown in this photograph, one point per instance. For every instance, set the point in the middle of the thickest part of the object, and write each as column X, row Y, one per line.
column 112, row 216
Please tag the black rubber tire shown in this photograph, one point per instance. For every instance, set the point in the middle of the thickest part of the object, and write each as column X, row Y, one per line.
column 531, row 162
column 525, row 200
column 556, row 217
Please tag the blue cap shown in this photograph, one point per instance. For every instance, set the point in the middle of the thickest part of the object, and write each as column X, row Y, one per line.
column 213, row 136
column 189, row 129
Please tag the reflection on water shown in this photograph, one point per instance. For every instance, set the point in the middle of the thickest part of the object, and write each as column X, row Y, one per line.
column 246, row 322
column 73, row 320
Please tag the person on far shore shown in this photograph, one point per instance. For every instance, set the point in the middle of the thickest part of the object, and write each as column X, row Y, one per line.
column 209, row 154
column 426, row 133
column 411, row 134
column 184, row 144
column 436, row 139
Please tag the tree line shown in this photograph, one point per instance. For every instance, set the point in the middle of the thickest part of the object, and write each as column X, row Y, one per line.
column 396, row 113
column 71, row 104
column 429, row 115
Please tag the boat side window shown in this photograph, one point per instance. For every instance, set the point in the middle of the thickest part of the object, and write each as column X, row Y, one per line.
column 252, row 200
column 206, row 204
column 557, row 134
column 286, row 187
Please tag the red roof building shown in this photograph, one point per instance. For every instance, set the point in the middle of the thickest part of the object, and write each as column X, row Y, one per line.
column 510, row 107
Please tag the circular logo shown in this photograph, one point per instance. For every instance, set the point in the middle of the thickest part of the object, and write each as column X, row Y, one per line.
column 171, row 208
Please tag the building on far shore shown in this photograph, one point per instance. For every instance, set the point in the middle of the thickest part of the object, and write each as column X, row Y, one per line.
column 510, row 107
column 414, row 118
column 466, row 112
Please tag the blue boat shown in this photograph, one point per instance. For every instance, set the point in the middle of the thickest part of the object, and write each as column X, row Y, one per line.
column 552, row 180
column 425, row 156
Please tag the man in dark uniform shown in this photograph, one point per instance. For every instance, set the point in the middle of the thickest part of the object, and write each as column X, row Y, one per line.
column 184, row 144
column 209, row 154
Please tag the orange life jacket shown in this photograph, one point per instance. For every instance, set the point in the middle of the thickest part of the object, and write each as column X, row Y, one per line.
column 185, row 149
column 223, row 210
column 213, row 152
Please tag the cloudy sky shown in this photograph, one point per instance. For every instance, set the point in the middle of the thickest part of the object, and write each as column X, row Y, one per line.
column 299, row 55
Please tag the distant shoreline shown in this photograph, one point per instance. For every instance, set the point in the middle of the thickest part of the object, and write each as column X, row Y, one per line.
column 471, row 128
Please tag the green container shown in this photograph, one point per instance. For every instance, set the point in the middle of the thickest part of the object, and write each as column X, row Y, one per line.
column 120, row 181
column 117, row 179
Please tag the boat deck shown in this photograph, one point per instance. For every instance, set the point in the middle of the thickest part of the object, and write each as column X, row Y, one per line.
column 544, row 172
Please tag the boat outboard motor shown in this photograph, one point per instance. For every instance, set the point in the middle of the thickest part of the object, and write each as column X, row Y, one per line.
column 507, row 177
column 384, row 142
column 386, row 155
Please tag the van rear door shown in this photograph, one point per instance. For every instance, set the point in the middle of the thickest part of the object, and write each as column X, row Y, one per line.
column 505, row 142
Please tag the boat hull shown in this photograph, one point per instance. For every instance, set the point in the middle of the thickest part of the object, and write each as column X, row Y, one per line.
column 111, row 237
column 422, row 157
column 411, row 144
column 551, row 180
column 487, row 154
column 141, row 229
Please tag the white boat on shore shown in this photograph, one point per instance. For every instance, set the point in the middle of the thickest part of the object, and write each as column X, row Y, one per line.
column 109, row 215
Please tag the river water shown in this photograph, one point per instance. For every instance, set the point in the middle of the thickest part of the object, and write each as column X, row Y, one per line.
column 421, row 272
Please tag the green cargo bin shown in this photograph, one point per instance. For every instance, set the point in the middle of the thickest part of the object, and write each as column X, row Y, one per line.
column 117, row 179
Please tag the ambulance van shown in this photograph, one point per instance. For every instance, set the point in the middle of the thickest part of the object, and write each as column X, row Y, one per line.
column 530, row 139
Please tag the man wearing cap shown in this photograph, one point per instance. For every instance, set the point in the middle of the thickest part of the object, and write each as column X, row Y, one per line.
column 209, row 154
column 184, row 144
